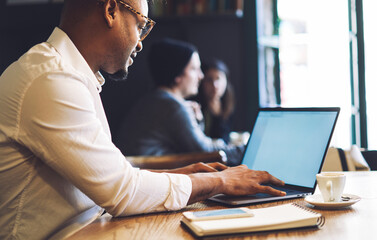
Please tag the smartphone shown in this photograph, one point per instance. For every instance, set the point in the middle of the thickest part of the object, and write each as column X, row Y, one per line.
column 218, row 214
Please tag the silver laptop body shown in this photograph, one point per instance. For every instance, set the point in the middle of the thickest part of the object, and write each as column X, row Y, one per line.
column 291, row 144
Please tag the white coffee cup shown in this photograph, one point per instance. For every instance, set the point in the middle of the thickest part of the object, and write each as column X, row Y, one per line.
column 331, row 185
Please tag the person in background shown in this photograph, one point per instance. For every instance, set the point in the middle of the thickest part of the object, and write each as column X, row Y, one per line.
column 216, row 97
column 59, row 169
column 163, row 122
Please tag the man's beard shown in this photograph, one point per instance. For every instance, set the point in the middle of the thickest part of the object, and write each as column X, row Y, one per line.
column 120, row 75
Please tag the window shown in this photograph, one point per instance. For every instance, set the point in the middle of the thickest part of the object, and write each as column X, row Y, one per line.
column 370, row 39
column 304, row 57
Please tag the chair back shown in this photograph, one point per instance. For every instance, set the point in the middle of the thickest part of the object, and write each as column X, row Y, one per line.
column 338, row 159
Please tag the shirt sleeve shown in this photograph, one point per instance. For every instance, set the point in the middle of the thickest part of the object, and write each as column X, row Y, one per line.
column 60, row 125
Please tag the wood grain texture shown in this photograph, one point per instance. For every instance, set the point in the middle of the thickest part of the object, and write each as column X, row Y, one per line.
column 356, row 222
column 176, row 160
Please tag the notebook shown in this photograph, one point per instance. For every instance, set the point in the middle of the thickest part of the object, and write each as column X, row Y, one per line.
column 278, row 217
column 291, row 144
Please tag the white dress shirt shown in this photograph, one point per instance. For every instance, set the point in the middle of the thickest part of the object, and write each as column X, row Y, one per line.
column 58, row 166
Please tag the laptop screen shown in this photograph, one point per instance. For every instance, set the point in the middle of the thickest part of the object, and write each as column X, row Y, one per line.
column 290, row 144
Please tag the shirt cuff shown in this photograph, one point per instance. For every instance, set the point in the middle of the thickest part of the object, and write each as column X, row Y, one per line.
column 180, row 192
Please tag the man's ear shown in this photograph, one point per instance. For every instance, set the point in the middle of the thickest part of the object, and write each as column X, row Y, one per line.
column 110, row 12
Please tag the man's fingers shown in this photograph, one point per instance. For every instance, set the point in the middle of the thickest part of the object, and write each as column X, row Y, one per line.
column 276, row 181
column 265, row 177
column 218, row 166
column 271, row 191
column 202, row 167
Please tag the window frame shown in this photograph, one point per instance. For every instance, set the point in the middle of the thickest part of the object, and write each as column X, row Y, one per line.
column 357, row 66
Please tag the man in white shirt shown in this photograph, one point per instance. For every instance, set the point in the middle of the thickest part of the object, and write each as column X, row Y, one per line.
column 59, row 169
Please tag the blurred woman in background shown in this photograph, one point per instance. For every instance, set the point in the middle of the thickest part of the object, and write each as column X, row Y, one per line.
column 163, row 122
column 216, row 97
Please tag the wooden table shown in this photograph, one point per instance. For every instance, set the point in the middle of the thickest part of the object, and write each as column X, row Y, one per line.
column 356, row 222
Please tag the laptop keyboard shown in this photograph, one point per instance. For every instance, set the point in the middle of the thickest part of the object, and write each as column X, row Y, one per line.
column 289, row 191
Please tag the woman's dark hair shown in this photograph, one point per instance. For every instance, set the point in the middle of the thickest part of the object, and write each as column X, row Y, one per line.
column 167, row 60
column 228, row 99
column 216, row 64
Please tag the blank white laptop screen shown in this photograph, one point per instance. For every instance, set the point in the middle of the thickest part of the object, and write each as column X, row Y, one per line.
column 276, row 133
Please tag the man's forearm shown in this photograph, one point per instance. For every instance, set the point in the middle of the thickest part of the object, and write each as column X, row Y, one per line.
column 205, row 185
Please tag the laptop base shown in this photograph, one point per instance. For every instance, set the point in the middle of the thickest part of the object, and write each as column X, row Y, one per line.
column 253, row 199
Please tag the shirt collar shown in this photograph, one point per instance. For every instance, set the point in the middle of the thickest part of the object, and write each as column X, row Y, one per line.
column 67, row 49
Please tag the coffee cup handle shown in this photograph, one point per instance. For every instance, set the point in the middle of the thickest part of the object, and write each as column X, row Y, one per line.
column 330, row 189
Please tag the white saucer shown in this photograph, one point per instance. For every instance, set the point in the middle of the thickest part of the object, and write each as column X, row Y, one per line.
column 317, row 201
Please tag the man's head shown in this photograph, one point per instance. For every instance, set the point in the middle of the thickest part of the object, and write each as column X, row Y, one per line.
column 215, row 78
column 175, row 64
column 108, row 33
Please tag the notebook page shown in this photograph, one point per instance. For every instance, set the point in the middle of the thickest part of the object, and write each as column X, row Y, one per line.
column 271, row 218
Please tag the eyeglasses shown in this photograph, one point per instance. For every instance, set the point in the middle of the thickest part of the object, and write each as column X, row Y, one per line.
column 147, row 28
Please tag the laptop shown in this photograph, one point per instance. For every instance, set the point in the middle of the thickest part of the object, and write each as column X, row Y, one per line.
column 291, row 144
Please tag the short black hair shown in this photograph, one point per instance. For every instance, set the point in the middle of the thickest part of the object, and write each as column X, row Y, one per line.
column 167, row 60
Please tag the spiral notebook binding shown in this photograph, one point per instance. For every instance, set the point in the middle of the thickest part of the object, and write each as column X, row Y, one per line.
column 320, row 220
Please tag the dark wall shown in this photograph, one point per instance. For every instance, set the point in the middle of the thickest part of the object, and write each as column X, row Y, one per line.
column 21, row 27
column 226, row 37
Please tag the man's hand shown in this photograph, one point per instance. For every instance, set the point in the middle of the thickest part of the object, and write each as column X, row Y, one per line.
column 196, row 168
column 232, row 181
column 242, row 181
